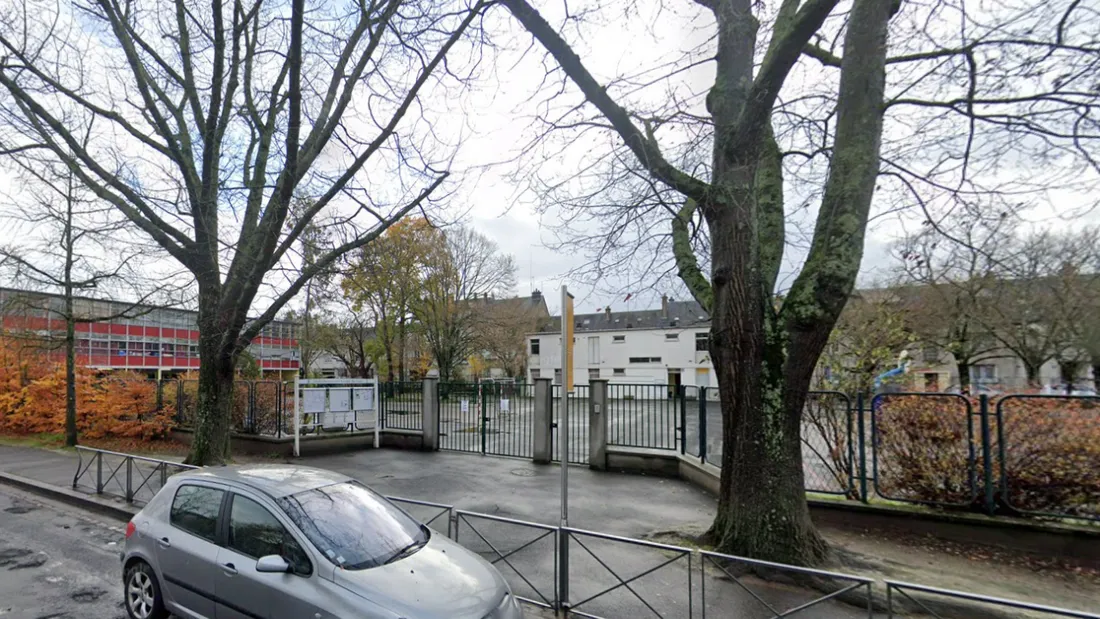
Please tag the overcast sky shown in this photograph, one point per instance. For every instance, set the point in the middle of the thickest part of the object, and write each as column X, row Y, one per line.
column 495, row 116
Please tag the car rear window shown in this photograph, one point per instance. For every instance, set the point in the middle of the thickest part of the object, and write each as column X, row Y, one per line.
column 195, row 510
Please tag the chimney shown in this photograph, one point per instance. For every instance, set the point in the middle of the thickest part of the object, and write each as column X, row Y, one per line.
column 536, row 297
column 664, row 306
column 607, row 312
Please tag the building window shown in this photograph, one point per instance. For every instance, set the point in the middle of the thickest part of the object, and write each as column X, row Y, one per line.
column 557, row 376
column 983, row 373
column 618, row 372
column 702, row 342
column 645, row 359
column 672, row 337
column 618, row 339
column 534, row 347
column 593, row 373
column 594, row 349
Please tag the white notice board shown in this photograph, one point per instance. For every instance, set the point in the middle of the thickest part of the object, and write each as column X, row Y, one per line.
column 313, row 400
column 362, row 399
column 339, row 400
column 505, row 405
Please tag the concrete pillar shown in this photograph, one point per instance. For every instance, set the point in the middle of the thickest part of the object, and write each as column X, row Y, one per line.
column 429, row 410
column 544, row 418
column 597, row 424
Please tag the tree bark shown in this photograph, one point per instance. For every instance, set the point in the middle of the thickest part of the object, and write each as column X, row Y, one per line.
column 963, row 368
column 210, row 443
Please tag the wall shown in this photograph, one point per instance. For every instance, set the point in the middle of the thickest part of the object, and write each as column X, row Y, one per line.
column 675, row 353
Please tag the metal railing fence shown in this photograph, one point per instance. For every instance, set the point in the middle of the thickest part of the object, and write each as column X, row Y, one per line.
column 136, row 478
column 897, row 591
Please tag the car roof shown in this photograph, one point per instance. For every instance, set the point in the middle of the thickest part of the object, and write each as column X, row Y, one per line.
column 275, row 480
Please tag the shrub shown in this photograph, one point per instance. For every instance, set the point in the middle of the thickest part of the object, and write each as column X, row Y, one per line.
column 1051, row 452
column 1052, row 455
column 922, row 449
column 32, row 400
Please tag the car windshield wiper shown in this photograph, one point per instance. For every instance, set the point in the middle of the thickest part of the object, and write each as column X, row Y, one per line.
column 405, row 550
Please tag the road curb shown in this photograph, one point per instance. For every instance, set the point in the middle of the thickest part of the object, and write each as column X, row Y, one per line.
column 71, row 497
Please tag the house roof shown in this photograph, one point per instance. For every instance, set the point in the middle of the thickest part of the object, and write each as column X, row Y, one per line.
column 679, row 315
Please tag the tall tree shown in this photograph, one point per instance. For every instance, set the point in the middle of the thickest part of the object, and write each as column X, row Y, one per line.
column 464, row 267
column 209, row 118
column 715, row 162
column 72, row 243
column 946, row 281
column 385, row 281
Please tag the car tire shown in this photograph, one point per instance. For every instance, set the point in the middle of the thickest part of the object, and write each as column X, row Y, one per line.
column 141, row 591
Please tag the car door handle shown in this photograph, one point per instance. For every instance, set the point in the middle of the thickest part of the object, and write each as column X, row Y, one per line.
column 164, row 543
column 229, row 568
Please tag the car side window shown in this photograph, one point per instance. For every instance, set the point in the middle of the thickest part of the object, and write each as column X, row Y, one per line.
column 195, row 510
column 255, row 532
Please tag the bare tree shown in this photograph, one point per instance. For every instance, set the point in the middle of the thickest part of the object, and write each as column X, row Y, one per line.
column 72, row 244
column 212, row 118
column 350, row 337
column 501, row 328
column 946, row 284
column 792, row 122
column 466, row 266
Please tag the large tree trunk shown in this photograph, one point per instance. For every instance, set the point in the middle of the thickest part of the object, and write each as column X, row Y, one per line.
column 762, row 509
column 210, row 443
column 218, row 357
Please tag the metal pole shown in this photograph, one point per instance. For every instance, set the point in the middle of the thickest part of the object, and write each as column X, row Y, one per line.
column 702, row 424
column 297, row 414
column 987, row 456
column 563, row 455
column 862, row 449
column 378, row 413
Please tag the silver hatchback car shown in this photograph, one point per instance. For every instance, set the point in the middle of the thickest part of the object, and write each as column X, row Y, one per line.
column 292, row 542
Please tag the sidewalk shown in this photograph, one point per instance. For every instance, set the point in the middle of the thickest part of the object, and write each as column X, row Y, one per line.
column 638, row 507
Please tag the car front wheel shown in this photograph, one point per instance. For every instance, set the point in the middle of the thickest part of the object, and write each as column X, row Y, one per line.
column 143, row 598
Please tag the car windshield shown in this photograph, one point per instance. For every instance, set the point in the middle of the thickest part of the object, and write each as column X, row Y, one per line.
column 353, row 526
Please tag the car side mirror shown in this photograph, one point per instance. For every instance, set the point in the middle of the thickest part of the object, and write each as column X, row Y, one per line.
column 273, row 564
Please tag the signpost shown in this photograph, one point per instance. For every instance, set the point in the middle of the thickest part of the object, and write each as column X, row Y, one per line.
column 563, row 438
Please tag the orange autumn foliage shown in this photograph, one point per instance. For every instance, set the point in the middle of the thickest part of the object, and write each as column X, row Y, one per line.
column 32, row 398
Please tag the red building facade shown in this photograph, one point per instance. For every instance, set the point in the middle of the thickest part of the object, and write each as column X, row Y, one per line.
column 155, row 339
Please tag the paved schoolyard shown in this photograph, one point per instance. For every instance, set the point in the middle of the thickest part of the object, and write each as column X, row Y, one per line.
column 623, row 505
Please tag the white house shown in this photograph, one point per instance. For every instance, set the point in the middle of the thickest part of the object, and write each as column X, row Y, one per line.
column 666, row 346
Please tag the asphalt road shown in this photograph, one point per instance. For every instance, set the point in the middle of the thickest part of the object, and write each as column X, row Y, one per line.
column 57, row 562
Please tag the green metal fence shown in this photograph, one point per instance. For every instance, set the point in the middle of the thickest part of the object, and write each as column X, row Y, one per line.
column 578, row 424
column 487, row 418
column 644, row 415
column 402, row 404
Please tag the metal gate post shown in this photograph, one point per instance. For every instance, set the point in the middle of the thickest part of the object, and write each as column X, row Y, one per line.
column 483, row 413
column 703, row 424
column 862, row 449
column 682, row 394
column 129, row 480
column 987, row 455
